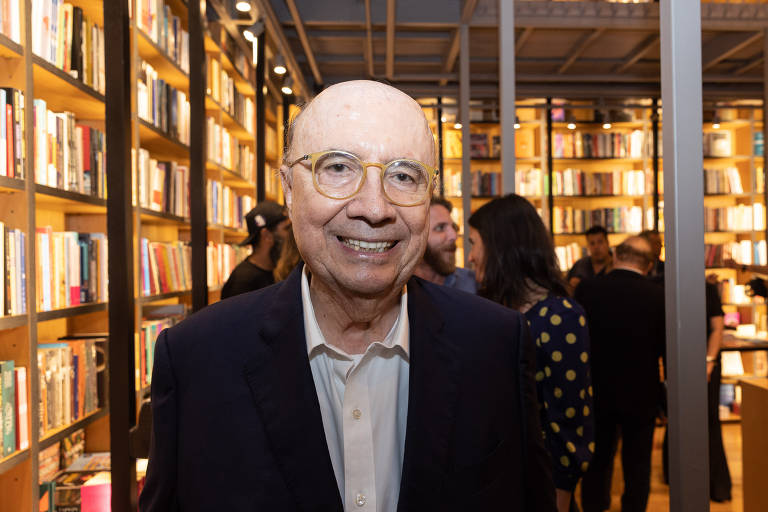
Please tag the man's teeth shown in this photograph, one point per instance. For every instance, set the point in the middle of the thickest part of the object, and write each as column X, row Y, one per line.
column 362, row 245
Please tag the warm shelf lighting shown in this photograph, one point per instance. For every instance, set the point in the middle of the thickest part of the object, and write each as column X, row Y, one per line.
column 243, row 6
column 457, row 126
column 443, row 119
column 248, row 35
column 606, row 126
column 517, row 123
column 571, row 126
column 287, row 86
column 716, row 125
column 280, row 68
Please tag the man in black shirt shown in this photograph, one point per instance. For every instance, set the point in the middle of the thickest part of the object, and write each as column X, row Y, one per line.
column 597, row 263
column 268, row 226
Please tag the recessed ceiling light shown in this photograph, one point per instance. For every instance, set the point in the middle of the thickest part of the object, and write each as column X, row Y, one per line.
column 243, row 6
column 571, row 126
column 457, row 126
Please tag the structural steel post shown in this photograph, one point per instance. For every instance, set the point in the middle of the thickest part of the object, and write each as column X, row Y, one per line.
column 507, row 93
column 681, row 92
column 466, row 171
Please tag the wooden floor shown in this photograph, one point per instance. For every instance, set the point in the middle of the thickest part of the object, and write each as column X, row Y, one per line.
column 659, row 499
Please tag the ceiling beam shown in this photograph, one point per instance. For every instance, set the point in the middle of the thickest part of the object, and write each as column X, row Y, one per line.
column 638, row 53
column 368, row 50
column 390, row 64
column 453, row 50
column 304, row 41
column 523, row 39
column 752, row 64
column 723, row 46
column 586, row 40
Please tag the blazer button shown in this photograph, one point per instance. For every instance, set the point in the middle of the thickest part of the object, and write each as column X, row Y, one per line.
column 357, row 413
column 360, row 500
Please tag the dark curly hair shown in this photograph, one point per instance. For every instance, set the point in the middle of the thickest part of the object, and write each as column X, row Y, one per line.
column 518, row 251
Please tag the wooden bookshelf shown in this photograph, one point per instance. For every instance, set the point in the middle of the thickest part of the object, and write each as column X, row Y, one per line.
column 58, row 434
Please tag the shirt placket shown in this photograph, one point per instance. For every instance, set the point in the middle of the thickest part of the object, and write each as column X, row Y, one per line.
column 359, row 474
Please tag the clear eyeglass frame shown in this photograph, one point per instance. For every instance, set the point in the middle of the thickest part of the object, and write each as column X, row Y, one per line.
column 432, row 173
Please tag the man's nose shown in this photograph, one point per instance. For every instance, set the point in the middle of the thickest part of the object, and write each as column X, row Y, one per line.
column 370, row 202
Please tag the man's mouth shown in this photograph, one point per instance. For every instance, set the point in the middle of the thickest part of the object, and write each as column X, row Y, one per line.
column 364, row 246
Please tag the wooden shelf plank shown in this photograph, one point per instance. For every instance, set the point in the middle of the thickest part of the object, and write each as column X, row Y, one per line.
column 155, row 141
column 7, row 183
column 166, row 68
column 10, row 48
column 82, row 309
column 243, row 85
column 230, row 177
column 54, row 436
column 11, row 322
column 164, row 296
column 151, row 216
column 599, row 196
column 61, row 92
column 68, row 202
column 13, row 460
column 603, row 159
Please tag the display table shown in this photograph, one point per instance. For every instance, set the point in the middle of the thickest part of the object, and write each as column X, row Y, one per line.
column 754, row 426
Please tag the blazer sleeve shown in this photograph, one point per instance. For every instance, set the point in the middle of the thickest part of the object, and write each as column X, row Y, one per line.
column 539, row 486
column 160, row 493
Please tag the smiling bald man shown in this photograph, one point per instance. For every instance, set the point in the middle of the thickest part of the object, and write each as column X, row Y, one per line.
column 350, row 385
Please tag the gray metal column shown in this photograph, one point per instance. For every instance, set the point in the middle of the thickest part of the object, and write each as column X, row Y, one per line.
column 507, row 93
column 681, row 90
column 466, row 171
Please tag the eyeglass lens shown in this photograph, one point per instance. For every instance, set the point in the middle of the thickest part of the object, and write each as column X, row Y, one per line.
column 339, row 175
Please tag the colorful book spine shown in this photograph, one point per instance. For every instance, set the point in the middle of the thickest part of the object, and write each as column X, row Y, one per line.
column 8, row 382
column 22, row 409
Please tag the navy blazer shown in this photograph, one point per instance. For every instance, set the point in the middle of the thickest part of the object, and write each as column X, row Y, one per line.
column 237, row 423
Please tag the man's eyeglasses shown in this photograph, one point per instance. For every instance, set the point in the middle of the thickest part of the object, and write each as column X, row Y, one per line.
column 340, row 175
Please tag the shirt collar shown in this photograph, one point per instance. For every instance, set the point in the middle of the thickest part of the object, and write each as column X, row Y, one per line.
column 397, row 336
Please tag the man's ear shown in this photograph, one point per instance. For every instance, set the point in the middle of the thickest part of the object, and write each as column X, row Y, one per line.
column 286, row 179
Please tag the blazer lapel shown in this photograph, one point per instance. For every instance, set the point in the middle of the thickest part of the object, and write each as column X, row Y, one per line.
column 433, row 373
column 280, row 380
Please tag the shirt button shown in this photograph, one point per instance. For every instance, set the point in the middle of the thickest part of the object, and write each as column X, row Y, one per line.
column 360, row 500
column 357, row 414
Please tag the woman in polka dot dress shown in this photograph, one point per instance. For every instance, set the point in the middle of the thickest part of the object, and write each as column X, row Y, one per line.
column 515, row 265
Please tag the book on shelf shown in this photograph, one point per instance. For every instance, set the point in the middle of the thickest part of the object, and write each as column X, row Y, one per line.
column 163, row 186
column 68, row 155
column 486, row 183
column 12, row 155
column 225, row 207
column 13, row 257
column 69, row 40
column 735, row 218
column 221, row 87
column 577, row 182
column 478, row 145
column 620, row 219
column 68, row 382
column 222, row 259
column 155, row 19
column 71, row 268
column 568, row 255
column 577, row 144
column 7, row 408
column 10, row 20
column 759, row 179
column 525, row 144
column 165, row 267
column 722, row 181
column 529, row 182
column 758, row 144
column 226, row 150
column 745, row 252
column 145, row 348
column 161, row 105
column 717, row 144
column 733, row 293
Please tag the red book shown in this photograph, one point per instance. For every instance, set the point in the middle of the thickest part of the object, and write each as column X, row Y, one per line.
column 160, row 258
column 143, row 357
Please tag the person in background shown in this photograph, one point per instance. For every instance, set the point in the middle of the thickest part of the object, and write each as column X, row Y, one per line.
column 289, row 257
column 627, row 332
column 268, row 225
column 597, row 263
column 439, row 262
column 654, row 238
column 515, row 265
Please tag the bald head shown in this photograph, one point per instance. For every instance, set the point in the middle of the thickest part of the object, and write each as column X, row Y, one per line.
column 362, row 116
column 636, row 253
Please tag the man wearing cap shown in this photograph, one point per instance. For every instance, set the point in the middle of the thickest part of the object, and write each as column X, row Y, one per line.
column 268, row 226
column 350, row 386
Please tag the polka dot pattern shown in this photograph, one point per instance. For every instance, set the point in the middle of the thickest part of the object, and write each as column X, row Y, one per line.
column 570, row 338
column 555, row 319
column 570, row 375
column 557, row 356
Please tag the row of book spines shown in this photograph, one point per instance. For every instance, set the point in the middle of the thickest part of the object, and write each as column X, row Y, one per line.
column 732, row 293
column 165, row 267
column 14, row 411
column 13, row 257
column 722, row 181
column 717, row 144
column 70, row 41
column 225, row 207
column 67, row 155
column 68, row 382
column 569, row 254
column 155, row 19
column 576, row 182
column 12, row 144
column 221, row 87
column 223, row 146
column 486, row 183
column 222, row 259
column 735, row 218
column 621, row 219
column 71, row 268
column 598, row 145
column 144, row 350
column 164, row 186
column 745, row 252
column 162, row 105
column 10, row 20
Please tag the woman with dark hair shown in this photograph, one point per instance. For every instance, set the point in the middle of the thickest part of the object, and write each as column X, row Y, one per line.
column 515, row 265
